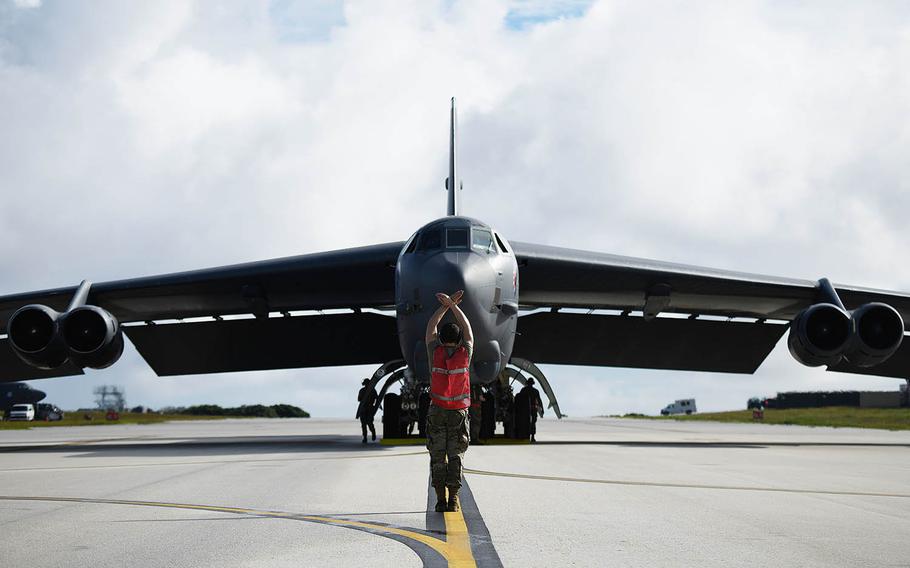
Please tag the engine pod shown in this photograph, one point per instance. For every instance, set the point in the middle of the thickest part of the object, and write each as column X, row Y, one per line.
column 819, row 335
column 34, row 335
column 92, row 336
column 877, row 331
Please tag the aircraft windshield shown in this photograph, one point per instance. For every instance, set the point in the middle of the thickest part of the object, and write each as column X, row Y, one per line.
column 482, row 239
column 430, row 240
column 456, row 238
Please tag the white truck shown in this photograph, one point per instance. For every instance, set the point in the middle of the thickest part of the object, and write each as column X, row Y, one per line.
column 22, row 412
column 681, row 406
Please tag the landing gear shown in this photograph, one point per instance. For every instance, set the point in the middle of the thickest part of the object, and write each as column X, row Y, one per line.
column 402, row 412
column 487, row 418
column 423, row 406
column 391, row 416
column 522, row 415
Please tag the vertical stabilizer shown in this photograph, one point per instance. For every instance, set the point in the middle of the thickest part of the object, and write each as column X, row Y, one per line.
column 452, row 184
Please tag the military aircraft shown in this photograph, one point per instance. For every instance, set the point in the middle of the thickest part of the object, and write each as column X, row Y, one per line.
column 528, row 304
column 18, row 393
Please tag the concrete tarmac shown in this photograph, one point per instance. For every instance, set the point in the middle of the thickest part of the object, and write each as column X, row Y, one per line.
column 594, row 492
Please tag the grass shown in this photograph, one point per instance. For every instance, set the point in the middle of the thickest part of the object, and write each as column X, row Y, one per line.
column 98, row 419
column 834, row 416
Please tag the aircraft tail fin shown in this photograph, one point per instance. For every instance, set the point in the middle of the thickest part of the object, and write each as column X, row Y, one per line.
column 452, row 183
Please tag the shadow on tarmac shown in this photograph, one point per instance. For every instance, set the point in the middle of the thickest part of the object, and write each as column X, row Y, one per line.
column 228, row 446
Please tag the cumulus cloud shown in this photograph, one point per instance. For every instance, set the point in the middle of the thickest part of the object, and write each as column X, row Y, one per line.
column 758, row 136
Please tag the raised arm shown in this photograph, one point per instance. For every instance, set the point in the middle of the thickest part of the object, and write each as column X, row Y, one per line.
column 467, row 334
column 434, row 322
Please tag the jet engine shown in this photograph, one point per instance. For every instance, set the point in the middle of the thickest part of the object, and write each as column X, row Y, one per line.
column 92, row 336
column 33, row 335
column 819, row 335
column 876, row 332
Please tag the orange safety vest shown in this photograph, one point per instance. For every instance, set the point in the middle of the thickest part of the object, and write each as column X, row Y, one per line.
column 450, row 387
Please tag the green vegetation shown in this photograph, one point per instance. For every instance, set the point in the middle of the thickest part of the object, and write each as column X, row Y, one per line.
column 257, row 410
column 835, row 416
column 98, row 419
column 200, row 412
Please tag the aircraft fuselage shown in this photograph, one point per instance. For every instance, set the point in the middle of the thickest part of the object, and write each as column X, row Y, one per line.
column 450, row 254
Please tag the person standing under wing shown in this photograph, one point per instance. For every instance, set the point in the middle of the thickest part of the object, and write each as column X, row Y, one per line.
column 367, row 398
column 536, row 404
column 449, row 351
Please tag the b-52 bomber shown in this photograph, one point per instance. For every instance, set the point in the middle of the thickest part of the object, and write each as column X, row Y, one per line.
column 522, row 300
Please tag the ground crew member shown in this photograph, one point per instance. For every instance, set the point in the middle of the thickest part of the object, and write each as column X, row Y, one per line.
column 536, row 406
column 449, row 350
column 477, row 399
column 367, row 399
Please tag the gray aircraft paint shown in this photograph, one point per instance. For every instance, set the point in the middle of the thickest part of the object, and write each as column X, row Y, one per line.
column 490, row 280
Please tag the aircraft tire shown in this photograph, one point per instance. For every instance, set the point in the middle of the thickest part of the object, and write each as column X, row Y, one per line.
column 423, row 406
column 487, row 418
column 391, row 416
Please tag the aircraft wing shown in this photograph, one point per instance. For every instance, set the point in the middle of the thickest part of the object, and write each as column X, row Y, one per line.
column 679, row 305
column 352, row 278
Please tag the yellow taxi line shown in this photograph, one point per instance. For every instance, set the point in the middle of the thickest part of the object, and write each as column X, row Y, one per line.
column 456, row 549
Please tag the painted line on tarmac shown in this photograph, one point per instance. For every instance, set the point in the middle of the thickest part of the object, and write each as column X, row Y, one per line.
column 207, row 462
column 466, row 524
column 685, row 485
column 454, row 550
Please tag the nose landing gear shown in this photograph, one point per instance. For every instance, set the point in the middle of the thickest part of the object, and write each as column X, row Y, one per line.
column 401, row 413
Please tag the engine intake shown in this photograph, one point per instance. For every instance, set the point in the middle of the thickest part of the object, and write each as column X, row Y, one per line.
column 92, row 336
column 33, row 335
column 819, row 335
column 877, row 332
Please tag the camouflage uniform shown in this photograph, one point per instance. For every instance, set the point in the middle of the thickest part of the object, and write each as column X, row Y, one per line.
column 447, row 441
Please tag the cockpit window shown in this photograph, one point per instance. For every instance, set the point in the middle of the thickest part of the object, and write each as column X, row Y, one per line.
column 412, row 245
column 482, row 239
column 502, row 246
column 430, row 240
column 456, row 238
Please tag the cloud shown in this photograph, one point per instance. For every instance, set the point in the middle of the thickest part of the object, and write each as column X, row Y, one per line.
column 756, row 136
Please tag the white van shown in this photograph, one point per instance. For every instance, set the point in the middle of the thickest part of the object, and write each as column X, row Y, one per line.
column 681, row 406
column 22, row 412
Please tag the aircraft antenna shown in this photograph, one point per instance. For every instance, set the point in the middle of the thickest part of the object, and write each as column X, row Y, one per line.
column 452, row 184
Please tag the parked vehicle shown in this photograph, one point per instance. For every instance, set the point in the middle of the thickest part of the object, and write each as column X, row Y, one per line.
column 681, row 406
column 22, row 412
column 49, row 412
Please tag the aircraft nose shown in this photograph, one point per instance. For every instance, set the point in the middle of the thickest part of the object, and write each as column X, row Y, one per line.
column 445, row 273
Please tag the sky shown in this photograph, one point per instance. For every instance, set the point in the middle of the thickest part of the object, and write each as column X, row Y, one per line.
column 760, row 136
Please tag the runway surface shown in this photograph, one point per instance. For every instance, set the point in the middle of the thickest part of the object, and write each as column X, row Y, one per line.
column 595, row 492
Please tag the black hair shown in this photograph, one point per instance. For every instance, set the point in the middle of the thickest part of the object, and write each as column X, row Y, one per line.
column 449, row 333
column 530, row 381
column 365, row 382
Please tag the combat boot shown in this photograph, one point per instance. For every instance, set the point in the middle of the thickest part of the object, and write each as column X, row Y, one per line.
column 453, row 506
column 440, row 498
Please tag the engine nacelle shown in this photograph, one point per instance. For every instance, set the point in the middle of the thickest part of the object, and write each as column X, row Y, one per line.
column 92, row 336
column 33, row 333
column 819, row 335
column 877, row 331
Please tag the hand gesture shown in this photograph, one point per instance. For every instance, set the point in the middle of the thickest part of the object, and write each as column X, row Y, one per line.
column 457, row 297
column 444, row 299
